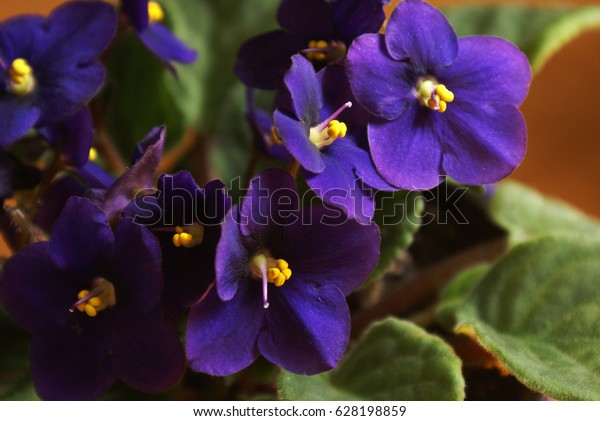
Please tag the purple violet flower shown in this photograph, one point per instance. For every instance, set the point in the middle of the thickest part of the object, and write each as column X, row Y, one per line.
column 282, row 277
column 146, row 17
column 332, row 153
column 48, row 66
column 91, row 298
column 440, row 104
column 187, row 221
column 321, row 29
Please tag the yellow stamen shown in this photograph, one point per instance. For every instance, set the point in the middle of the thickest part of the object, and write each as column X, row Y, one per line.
column 334, row 130
column 155, row 12
column 326, row 50
column 93, row 155
column 102, row 296
column 434, row 95
column 278, row 271
column 275, row 136
column 189, row 235
column 22, row 80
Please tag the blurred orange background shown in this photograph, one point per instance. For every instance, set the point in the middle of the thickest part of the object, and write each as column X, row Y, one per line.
column 563, row 157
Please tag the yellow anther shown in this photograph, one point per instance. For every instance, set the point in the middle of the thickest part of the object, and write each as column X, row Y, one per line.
column 273, row 273
column 433, row 95
column 280, row 280
column 155, row 12
column 335, row 129
column 275, row 136
column 90, row 310
column 93, row 155
column 188, row 236
column 281, row 264
column 95, row 302
column 22, row 81
column 287, row 273
column 20, row 67
column 321, row 44
column 177, row 240
column 444, row 94
column 82, row 294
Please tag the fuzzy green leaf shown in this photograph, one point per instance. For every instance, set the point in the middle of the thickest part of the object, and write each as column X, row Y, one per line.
column 525, row 214
column 537, row 311
column 394, row 360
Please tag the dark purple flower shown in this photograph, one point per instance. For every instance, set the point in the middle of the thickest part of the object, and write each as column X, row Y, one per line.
column 282, row 277
column 187, row 221
column 139, row 177
column 72, row 138
column 145, row 17
column 48, row 66
column 333, row 154
column 263, row 130
column 320, row 29
column 440, row 104
column 91, row 298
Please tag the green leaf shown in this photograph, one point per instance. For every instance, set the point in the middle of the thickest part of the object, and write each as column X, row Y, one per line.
column 394, row 360
column 455, row 294
column 537, row 311
column 398, row 216
column 538, row 31
column 525, row 213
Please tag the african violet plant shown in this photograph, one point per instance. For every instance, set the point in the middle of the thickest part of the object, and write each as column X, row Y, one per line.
column 352, row 127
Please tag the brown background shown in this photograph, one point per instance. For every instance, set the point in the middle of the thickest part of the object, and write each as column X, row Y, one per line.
column 562, row 113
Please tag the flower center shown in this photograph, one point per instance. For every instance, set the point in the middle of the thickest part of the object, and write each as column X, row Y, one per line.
column 433, row 95
column 155, row 12
column 329, row 130
column 188, row 236
column 327, row 51
column 22, row 80
column 99, row 298
column 270, row 271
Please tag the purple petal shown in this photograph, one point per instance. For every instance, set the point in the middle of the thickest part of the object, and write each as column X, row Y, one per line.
column 178, row 196
column 17, row 116
column 222, row 337
column 151, row 356
column 216, row 203
column 137, row 12
column 72, row 364
column 305, row 90
column 139, row 176
column 136, row 271
column 232, row 260
column 61, row 95
column 339, row 185
column 307, row 328
column 81, row 239
column 166, row 46
column 295, row 136
column 353, row 18
column 36, row 293
column 326, row 248
column 381, row 84
column 488, row 69
column 484, row 143
column 78, row 31
column 420, row 33
column 20, row 38
column 73, row 136
column 310, row 18
column 54, row 200
column 406, row 151
column 263, row 60
column 337, row 92
column 272, row 198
